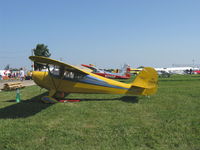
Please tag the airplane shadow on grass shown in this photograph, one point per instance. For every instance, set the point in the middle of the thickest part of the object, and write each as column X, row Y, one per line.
column 128, row 99
column 25, row 108
column 30, row 107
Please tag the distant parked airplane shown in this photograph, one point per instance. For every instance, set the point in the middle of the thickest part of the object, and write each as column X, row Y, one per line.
column 196, row 72
column 176, row 70
column 124, row 74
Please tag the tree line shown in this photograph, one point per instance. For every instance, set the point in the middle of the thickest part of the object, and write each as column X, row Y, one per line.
column 40, row 50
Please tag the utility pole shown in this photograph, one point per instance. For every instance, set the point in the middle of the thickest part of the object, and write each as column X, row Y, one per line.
column 193, row 62
column 32, row 66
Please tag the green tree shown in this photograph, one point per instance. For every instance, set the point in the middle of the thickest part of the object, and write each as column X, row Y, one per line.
column 40, row 50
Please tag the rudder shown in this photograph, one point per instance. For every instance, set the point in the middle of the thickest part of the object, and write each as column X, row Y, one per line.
column 146, row 82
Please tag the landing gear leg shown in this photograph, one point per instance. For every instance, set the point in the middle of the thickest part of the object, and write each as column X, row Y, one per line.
column 60, row 95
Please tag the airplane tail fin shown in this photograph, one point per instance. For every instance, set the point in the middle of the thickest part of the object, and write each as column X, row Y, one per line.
column 126, row 70
column 145, row 82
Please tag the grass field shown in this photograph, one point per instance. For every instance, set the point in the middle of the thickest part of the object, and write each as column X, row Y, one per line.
column 168, row 120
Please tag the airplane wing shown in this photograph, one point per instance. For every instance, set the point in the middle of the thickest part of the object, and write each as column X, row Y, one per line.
column 48, row 61
column 88, row 66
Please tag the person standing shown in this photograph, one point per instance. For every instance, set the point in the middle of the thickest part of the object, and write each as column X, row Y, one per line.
column 21, row 73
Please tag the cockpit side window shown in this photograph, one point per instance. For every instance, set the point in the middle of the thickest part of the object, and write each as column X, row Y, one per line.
column 73, row 75
column 65, row 73
column 54, row 70
column 94, row 70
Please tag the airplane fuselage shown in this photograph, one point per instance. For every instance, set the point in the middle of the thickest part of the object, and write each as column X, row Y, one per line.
column 87, row 84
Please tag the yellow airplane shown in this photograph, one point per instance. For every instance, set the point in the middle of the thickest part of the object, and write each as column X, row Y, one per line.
column 63, row 79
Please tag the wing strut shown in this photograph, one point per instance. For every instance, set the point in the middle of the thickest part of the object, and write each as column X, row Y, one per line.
column 52, row 92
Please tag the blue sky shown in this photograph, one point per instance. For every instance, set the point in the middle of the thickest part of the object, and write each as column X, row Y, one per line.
column 107, row 33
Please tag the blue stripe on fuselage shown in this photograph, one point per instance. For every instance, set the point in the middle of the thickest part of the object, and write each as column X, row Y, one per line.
column 88, row 79
column 96, row 81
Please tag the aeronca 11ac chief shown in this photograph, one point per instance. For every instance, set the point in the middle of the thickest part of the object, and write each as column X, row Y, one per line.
column 62, row 78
